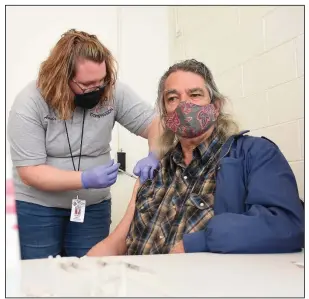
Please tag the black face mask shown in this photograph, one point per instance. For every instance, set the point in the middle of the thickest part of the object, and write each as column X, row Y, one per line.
column 90, row 99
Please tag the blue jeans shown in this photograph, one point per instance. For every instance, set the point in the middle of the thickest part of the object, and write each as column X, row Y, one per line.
column 47, row 231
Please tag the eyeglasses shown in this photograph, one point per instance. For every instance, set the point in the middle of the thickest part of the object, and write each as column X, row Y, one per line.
column 90, row 89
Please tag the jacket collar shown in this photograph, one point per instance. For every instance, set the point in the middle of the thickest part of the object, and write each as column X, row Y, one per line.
column 228, row 144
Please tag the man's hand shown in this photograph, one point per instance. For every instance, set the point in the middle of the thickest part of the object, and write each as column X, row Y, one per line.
column 178, row 248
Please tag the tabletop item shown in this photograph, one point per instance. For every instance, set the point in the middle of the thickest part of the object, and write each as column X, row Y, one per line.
column 175, row 275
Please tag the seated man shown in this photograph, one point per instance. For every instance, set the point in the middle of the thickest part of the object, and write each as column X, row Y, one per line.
column 217, row 190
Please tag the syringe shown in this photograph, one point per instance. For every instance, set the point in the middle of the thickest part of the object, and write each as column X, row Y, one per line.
column 128, row 174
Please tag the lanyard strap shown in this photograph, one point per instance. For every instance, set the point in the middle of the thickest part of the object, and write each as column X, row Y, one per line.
column 81, row 143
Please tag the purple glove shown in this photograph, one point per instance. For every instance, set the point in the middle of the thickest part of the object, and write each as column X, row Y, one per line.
column 145, row 167
column 101, row 176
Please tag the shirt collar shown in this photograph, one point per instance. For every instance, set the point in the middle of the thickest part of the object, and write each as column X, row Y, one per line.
column 202, row 151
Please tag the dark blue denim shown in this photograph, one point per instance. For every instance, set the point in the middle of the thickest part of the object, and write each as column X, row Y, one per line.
column 45, row 231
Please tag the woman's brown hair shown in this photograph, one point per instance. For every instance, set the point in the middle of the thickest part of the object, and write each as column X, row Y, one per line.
column 59, row 68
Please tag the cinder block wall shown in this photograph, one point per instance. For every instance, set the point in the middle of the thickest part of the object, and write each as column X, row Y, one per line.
column 257, row 57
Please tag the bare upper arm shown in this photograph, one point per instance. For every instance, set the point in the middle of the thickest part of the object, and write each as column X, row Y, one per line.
column 125, row 222
column 115, row 243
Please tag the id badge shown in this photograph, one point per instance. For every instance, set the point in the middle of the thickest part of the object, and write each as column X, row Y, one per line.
column 78, row 210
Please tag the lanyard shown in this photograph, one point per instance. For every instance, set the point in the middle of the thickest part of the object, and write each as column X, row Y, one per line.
column 81, row 143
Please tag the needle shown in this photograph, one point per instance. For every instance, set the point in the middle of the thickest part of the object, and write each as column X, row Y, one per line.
column 127, row 173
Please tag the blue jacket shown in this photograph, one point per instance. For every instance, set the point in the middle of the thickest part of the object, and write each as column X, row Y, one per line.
column 257, row 208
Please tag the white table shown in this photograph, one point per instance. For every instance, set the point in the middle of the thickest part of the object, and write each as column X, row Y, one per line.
column 179, row 275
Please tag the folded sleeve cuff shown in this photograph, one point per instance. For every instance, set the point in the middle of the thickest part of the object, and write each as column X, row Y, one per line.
column 195, row 242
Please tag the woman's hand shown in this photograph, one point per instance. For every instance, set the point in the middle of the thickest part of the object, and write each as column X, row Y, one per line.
column 102, row 176
column 146, row 167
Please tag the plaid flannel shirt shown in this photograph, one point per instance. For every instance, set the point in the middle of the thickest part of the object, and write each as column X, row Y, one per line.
column 179, row 200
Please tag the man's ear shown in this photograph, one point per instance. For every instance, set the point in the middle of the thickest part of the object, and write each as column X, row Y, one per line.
column 218, row 107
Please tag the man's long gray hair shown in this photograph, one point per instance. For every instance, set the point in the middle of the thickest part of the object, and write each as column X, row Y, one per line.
column 225, row 125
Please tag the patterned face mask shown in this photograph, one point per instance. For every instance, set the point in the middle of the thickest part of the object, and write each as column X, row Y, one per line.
column 190, row 120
